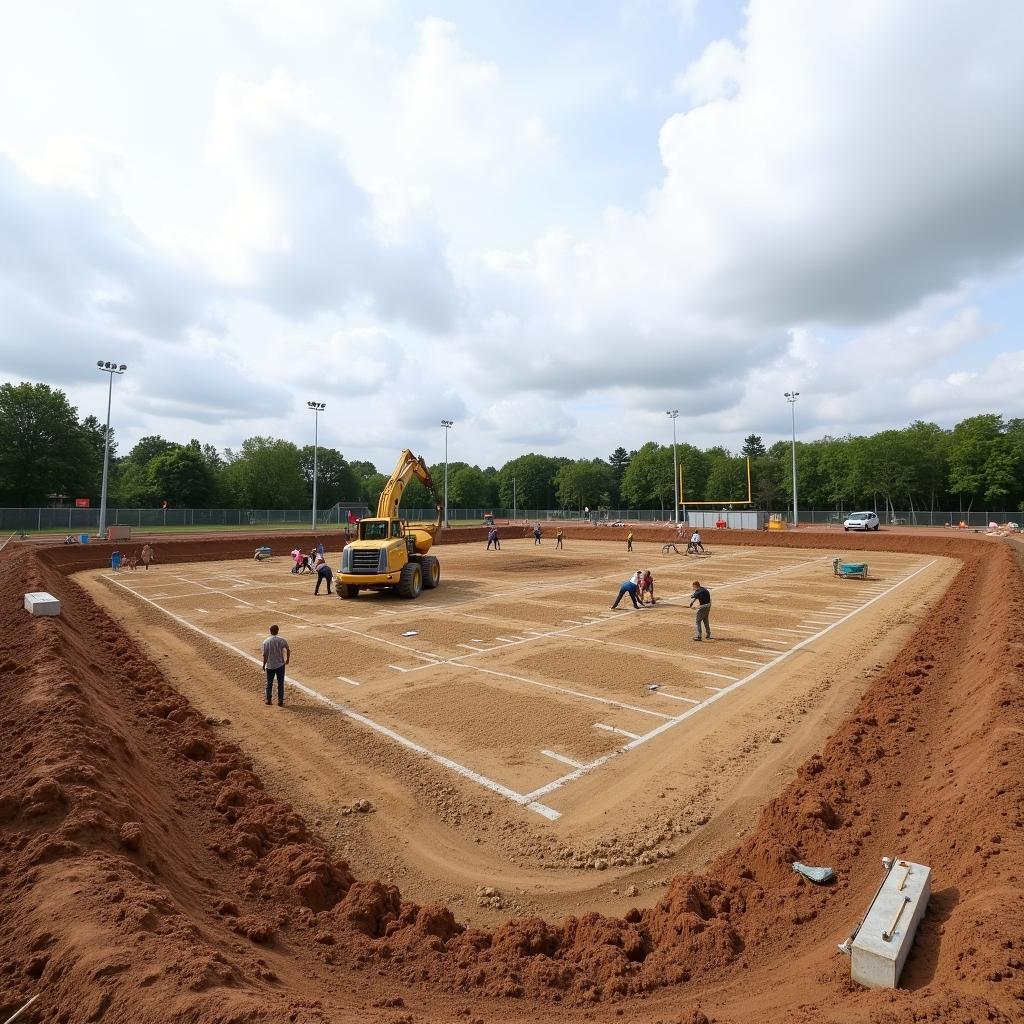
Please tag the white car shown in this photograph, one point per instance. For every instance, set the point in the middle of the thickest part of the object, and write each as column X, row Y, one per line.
column 861, row 521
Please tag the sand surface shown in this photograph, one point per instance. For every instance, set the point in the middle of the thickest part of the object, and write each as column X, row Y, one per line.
column 171, row 849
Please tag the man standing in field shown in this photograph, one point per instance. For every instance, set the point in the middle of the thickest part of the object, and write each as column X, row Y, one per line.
column 559, row 537
column 703, row 596
column 147, row 555
column 276, row 654
column 629, row 541
column 536, row 533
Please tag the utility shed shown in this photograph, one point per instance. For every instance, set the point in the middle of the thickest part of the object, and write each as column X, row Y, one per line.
column 883, row 942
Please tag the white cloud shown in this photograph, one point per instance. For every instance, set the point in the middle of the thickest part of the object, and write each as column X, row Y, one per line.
column 715, row 75
column 838, row 193
column 309, row 18
column 301, row 234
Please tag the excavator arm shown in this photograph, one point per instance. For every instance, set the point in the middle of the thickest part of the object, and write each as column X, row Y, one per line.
column 408, row 466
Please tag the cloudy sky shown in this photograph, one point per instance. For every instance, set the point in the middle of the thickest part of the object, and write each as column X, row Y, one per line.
column 546, row 220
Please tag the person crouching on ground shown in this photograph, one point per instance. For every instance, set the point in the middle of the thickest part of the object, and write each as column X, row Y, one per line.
column 297, row 560
column 323, row 572
column 629, row 587
column 647, row 587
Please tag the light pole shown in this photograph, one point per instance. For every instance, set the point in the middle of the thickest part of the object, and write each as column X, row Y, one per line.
column 317, row 407
column 447, row 424
column 791, row 397
column 673, row 415
column 109, row 368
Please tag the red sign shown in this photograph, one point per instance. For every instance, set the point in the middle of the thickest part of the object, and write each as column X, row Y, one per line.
column 81, row 502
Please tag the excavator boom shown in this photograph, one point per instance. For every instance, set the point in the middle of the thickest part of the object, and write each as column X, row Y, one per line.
column 389, row 552
column 408, row 466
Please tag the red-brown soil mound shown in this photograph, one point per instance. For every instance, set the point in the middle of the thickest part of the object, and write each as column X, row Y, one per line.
column 146, row 876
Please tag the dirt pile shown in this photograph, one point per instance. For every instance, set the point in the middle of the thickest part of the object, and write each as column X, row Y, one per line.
column 146, row 875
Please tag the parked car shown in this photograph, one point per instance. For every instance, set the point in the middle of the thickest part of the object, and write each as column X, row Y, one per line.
column 861, row 521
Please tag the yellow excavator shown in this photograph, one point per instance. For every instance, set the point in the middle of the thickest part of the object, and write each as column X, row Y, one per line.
column 388, row 552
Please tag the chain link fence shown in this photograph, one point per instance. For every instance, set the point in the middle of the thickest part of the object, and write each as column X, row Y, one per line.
column 86, row 520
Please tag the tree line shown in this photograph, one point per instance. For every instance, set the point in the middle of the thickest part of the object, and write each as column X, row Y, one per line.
column 48, row 455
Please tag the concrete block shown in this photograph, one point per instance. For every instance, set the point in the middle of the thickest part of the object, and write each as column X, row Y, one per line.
column 42, row 603
column 883, row 941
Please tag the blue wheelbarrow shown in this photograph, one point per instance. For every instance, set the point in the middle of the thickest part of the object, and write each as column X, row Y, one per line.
column 850, row 570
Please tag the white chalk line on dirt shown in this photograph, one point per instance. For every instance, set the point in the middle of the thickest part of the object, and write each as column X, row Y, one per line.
column 611, row 702
column 620, row 732
column 724, row 692
column 561, row 757
column 467, row 773
column 527, row 589
column 444, row 606
column 456, row 662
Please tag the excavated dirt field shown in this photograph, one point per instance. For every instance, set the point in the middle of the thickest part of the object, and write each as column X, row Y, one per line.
column 578, row 846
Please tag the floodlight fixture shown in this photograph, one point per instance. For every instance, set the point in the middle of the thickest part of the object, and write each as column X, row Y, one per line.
column 109, row 368
column 673, row 414
column 447, row 424
column 317, row 408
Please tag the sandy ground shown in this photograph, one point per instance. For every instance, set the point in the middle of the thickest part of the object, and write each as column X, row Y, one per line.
column 553, row 661
column 161, row 862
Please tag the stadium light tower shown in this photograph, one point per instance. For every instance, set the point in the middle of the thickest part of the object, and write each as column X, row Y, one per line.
column 673, row 414
column 110, row 368
column 791, row 397
column 317, row 407
column 447, row 424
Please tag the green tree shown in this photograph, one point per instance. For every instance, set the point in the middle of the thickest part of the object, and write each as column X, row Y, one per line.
column 44, row 450
column 148, row 448
column 970, row 448
column 468, row 487
column 372, row 484
column 534, row 477
column 266, row 473
column 588, row 482
column 753, row 447
column 619, row 460
column 182, row 477
column 694, row 467
column 727, row 479
column 648, row 478
column 335, row 479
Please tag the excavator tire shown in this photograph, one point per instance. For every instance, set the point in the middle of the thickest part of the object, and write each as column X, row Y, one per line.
column 431, row 571
column 410, row 583
column 348, row 590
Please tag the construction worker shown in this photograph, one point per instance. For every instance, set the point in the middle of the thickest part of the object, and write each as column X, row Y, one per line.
column 276, row 654
column 558, row 539
column 629, row 541
column 703, row 596
column 536, row 533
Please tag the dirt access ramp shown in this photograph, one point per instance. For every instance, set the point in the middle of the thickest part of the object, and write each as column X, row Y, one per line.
column 145, row 875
